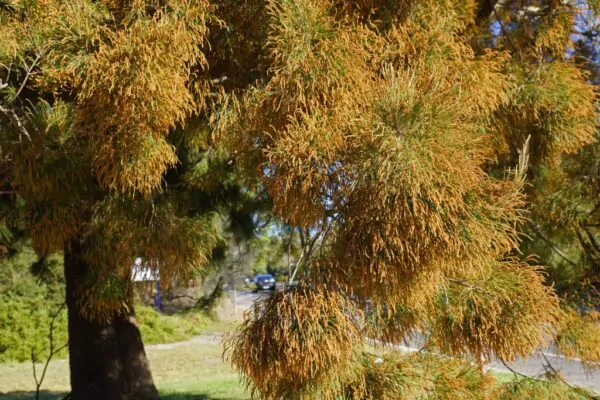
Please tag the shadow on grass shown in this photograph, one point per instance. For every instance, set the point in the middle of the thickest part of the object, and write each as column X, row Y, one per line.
column 190, row 396
column 44, row 395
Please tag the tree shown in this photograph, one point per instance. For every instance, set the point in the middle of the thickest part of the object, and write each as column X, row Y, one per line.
column 393, row 135
column 94, row 99
column 408, row 138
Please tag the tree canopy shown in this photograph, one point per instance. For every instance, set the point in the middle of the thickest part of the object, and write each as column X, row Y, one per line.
column 411, row 143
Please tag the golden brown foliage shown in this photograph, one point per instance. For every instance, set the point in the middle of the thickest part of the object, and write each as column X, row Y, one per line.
column 296, row 344
column 579, row 336
column 418, row 377
column 55, row 211
column 382, row 132
column 383, row 378
column 506, row 311
column 552, row 103
column 134, row 92
column 375, row 125
column 156, row 230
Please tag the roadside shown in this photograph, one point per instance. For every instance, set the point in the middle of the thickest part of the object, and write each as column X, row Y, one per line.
column 571, row 369
column 193, row 369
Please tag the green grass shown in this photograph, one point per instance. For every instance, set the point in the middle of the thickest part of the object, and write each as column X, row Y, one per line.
column 504, row 377
column 191, row 371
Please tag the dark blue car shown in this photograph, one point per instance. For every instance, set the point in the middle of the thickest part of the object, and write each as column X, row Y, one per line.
column 264, row 282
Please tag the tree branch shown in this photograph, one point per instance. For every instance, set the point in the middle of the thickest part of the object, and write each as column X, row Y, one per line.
column 514, row 371
column 12, row 114
column 10, row 111
column 558, row 376
column 289, row 250
column 53, row 352
column 467, row 285
column 558, row 251
column 27, row 75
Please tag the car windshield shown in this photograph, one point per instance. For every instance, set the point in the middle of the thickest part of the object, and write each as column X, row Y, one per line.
column 264, row 277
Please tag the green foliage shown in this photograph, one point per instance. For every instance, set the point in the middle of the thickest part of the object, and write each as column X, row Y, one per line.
column 27, row 304
column 32, row 291
column 161, row 328
column 540, row 390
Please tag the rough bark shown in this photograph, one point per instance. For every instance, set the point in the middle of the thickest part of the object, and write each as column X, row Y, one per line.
column 107, row 360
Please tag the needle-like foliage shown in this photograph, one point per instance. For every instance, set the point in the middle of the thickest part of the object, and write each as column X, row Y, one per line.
column 579, row 337
column 296, row 344
column 405, row 140
column 541, row 390
column 505, row 311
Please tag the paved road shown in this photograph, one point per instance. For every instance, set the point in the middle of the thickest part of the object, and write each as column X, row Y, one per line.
column 571, row 370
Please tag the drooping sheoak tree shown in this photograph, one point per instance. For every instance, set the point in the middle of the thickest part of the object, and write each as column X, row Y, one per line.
column 94, row 98
column 407, row 140
column 394, row 135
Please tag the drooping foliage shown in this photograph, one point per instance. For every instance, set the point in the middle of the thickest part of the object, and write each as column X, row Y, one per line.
column 95, row 95
column 297, row 343
column 551, row 388
column 411, row 143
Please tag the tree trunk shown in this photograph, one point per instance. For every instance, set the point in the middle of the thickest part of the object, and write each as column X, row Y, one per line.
column 107, row 359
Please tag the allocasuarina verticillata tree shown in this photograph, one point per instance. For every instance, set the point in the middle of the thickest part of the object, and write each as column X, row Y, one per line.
column 396, row 134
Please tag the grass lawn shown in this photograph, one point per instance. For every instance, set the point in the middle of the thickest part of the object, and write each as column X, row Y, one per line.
column 187, row 371
column 193, row 371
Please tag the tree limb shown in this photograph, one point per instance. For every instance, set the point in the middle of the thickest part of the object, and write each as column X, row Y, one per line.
column 460, row 282
column 12, row 114
column 27, row 75
column 558, row 251
column 514, row 371
column 558, row 376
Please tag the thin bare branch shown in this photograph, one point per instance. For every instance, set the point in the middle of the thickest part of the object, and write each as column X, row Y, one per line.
column 514, row 371
column 467, row 285
column 289, row 261
column 558, row 251
column 52, row 352
column 27, row 75
column 12, row 114
column 556, row 374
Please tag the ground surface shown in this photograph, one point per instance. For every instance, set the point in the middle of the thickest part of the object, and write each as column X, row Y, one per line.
column 194, row 369
column 189, row 370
